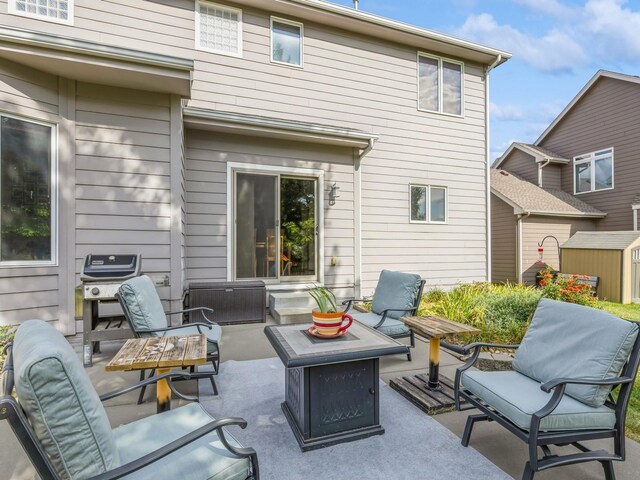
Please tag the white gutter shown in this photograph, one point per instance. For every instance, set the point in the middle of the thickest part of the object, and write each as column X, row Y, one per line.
column 487, row 139
column 519, row 245
column 365, row 151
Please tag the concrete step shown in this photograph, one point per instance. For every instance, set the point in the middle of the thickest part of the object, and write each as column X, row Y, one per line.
column 288, row 315
column 301, row 299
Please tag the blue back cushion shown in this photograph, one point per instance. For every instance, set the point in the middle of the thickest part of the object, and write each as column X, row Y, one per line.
column 62, row 406
column 143, row 302
column 395, row 290
column 572, row 341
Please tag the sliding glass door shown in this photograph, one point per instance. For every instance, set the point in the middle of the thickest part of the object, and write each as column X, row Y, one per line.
column 276, row 227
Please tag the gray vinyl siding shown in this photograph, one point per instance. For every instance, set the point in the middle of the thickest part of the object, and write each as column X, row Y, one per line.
column 123, row 176
column 522, row 164
column 158, row 27
column 607, row 116
column 207, row 154
column 552, row 176
column 30, row 292
column 358, row 82
column 503, row 242
column 535, row 228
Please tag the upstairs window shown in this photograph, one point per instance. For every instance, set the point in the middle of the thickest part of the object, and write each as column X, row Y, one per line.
column 440, row 85
column 286, row 42
column 53, row 10
column 27, row 192
column 593, row 171
column 428, row 204
column 218, row 29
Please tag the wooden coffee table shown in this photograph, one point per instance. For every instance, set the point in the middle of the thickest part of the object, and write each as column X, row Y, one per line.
column 160, row 353
column 435, row 393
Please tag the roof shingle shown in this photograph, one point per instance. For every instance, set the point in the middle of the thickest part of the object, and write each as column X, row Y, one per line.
column 530, row 198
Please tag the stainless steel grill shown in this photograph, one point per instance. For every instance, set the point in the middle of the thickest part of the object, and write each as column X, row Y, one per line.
column 101, row 278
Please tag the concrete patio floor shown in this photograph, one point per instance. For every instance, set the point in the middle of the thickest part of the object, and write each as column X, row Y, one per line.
column 247, row 342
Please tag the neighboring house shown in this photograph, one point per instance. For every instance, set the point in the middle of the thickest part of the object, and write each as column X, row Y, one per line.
column 589, row 154
column 294, row 141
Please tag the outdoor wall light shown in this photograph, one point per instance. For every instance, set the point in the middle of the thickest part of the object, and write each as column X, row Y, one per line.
column 333, row 194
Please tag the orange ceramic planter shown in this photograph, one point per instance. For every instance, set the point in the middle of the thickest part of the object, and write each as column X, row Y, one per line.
column 331, row 323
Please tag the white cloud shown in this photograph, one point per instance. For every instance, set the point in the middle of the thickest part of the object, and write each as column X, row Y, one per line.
column 614, row 29
column 506, row 112
column 556, row 51
column 552, row 8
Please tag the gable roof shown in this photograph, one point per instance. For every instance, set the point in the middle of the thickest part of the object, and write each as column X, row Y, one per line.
column 599, row 74
column 602, row 240
column 527, row 198
column 359, row 21
column 540, row 154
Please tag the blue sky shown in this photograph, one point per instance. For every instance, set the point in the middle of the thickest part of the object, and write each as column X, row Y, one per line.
column 557, row 46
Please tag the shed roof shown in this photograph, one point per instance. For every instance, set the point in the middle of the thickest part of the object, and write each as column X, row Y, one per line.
column 603, row 240
column 525, row 197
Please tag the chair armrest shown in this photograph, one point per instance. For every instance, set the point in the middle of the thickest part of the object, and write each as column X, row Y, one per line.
column 147, row 381
column 195, row 309
column 168, row 329
column 156, row 455
column 477, row 346
column 349, row 303
column 550, row 385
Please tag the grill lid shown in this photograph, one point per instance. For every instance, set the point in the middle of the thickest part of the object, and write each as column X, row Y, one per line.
column 101, row 268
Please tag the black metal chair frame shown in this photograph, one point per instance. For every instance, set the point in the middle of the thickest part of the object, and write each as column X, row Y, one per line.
column 11, row 411
column 536, row 438
column 412, row 311
column 214, row 357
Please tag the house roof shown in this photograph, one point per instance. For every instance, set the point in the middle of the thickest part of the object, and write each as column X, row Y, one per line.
column 599, row 74
column 525, row 197
column 602, row 240
column 540, row 154
column 347, row 18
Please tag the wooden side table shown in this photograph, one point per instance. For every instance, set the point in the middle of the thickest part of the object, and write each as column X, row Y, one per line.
column 160, row 353
column 435, row 393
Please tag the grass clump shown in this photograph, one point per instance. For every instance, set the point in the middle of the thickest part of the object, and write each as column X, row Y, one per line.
column 6, row 336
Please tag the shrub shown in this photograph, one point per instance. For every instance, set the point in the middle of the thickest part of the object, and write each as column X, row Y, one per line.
column 570, row 290
column 6, row 336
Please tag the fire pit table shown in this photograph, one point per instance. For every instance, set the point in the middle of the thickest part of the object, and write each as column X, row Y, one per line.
column 331, row 385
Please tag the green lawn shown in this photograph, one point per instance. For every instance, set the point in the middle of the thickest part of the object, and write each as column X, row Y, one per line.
column 632, row 312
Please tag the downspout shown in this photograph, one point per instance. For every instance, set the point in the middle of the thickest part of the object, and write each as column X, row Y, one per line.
column 487, row 139
column 540, row 167
column 358, row 215
column 521, row 217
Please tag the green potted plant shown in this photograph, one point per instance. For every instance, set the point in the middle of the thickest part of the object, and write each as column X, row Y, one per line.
column 328, row 318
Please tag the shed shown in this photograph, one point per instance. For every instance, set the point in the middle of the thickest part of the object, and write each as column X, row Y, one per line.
column 612, row 256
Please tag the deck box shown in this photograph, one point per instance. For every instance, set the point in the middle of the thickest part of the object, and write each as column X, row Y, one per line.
column 232, row 302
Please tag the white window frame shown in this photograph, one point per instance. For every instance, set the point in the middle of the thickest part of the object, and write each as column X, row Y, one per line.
column 240, row 28
column 292, row 23
column 591, row 158
column 69, row 21
column 428, row 188
column 440, row 84
column 54, row 195
column 635, row 209
column 235, row 167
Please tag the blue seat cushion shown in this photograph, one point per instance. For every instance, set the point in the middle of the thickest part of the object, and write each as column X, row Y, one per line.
column 204, row 459
column 518, row 397
column 145, row 309
column 395, row 290
column 391, row 326
column 63, row 408
column 213, row 334
column 572, row 341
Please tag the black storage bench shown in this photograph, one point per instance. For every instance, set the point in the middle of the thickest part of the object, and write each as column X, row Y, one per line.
column 232, row 302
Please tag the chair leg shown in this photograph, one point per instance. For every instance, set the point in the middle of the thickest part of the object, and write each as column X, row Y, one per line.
column 471, row 420
column 213, row 384
column 413, row 344
column 528, row 472
column 609, row 473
